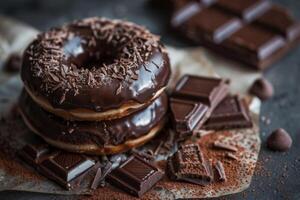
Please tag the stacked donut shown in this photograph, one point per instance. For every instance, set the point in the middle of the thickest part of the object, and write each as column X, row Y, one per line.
column 95, row 86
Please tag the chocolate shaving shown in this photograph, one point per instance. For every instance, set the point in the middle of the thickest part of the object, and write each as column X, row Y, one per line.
column 221, row 172
column 158, row 148
column 96, row 182
column 231, row 156
column 223, row 146
column 119, row 89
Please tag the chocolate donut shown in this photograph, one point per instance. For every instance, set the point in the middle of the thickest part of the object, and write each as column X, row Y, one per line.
column 95, row 69
column 102, row 137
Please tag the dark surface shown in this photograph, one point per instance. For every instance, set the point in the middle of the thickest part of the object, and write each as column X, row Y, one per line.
column 280, row 176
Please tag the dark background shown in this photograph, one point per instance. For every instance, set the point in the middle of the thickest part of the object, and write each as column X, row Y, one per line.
column 278, row 174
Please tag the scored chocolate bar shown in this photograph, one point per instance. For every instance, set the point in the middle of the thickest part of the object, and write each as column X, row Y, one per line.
column 67, row 169
column 193, row 100
column 135, row 176
column 255, row 32
column 188, row 164
column 231, row 113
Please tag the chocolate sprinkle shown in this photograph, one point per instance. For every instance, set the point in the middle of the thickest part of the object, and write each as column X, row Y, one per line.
column 132, row 44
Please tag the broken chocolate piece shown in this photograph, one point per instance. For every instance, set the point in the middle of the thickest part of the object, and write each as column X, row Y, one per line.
column 193, row 100
column 221, row 172
column 229, row 114
column 188, row 164
column 34, row 153
column 186, row 114
column 65, row 167
column 135, row 176
column 207, row 90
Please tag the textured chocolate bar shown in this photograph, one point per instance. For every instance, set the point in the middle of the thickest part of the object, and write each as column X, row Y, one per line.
column 255, row 32
column 193, row 99
column 188, row 164
column 229, row 114
column 135, row 175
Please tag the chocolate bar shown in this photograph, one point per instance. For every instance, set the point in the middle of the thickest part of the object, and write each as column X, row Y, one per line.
column 188, row 164
column 229, row 114
column 67, row 169
column 135, row 175
column 193, row 99
column 255, row 32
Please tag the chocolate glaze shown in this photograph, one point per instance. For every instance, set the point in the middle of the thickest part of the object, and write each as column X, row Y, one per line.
column 91, row 57
column 110, row 132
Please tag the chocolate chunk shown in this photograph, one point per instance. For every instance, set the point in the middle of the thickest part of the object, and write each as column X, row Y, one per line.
column 188, row 164
column 65, row 167
column 262, row 88
column 246, row 9
column 229, row 114
column 193, row 100
column 135, row 175
column 255, row 32
column 186, row 114
column 279, row 140
column 221, row 172
column 34, row 153
column 13, row 63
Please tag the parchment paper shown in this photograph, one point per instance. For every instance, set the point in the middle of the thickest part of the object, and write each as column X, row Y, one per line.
column 14, row 175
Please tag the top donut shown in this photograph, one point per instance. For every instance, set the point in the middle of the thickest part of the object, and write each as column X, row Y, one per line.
column 95, row 69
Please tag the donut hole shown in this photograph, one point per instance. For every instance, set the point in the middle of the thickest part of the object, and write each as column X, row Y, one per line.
column 83, row 56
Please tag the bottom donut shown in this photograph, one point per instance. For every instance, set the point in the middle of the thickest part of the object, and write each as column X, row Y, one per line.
column 103, row 137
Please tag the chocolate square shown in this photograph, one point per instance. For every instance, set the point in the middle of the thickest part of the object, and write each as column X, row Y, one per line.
column 253, row 42
column 230, row 113
column 280, row 20
column 188, row 164
column 246, row 9
column 200, row 89
column 64, row 167
column 186, row 114
column 219, row 26
column 135, row 176
column 34, row 153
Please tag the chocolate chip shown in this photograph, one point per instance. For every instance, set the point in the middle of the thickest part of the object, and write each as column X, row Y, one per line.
column 262, row 88
column 279, row 140
column 13, row 63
